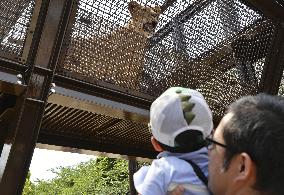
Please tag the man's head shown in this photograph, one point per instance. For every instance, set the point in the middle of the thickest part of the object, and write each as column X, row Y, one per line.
column 251, row 159
column 180, row 119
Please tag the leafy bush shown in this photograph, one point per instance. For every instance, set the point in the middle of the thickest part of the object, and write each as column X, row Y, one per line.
column 100, row 176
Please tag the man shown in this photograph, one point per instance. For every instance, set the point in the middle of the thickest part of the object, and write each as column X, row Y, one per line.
column 246, row 151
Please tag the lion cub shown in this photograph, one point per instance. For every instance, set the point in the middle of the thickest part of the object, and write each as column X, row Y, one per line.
column 118, row 57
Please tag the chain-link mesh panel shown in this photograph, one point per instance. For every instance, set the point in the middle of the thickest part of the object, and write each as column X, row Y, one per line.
column 15, row 16
column 109, row 39
column 219, row 50
column 218, row 47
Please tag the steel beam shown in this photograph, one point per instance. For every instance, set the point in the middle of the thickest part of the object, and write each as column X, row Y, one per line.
column 272, row 8
column 78, row 100
column 100, row 91
column 17, row 166
column 3, row 134
column 40, row 59
column 273, row 69
column 95, row 145
column 132, row 168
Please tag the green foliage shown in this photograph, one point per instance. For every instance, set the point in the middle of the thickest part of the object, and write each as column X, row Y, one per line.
column 29, row 187
column 101, row 176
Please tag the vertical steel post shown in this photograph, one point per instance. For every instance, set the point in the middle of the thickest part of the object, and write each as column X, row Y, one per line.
column 274, row 66
column 132, row 168
column 42, row 59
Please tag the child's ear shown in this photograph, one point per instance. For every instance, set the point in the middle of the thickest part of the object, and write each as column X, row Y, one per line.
column 156, row 145
column 132, row 6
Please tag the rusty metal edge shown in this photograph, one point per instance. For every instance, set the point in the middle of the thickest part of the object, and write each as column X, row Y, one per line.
column 90, row 152
column 12, row 88
column 101, row 91
column 77, row 142
column 99, row 106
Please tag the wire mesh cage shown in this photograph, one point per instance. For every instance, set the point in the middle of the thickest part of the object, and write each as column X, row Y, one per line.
column 107, row 41
column 219, row 50
column 218, row 47
column 15, row 18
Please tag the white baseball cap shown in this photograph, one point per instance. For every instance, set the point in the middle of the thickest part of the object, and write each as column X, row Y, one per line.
column 167, row 117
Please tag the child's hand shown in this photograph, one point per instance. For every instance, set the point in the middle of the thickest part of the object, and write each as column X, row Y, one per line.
column 179, row 190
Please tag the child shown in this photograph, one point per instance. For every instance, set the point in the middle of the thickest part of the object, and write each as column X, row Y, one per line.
column 180, row 120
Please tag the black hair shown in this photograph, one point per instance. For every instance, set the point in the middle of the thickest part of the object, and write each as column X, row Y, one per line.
column 187, row 141
column 257, row 128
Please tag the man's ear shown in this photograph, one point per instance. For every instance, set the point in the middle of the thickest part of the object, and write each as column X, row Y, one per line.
column 246, row 168
column 156, row 145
